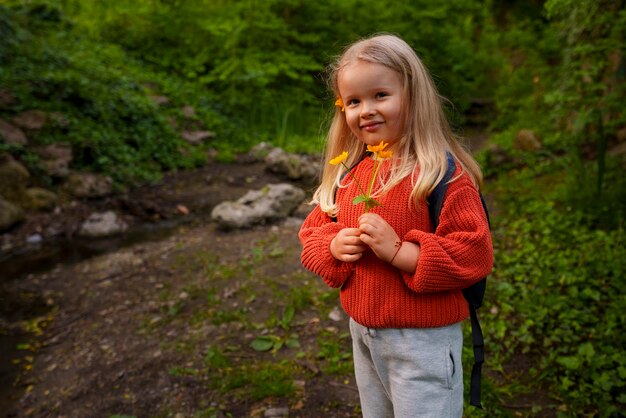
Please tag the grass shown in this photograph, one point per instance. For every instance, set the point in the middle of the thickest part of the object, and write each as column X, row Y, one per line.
column 247, row 328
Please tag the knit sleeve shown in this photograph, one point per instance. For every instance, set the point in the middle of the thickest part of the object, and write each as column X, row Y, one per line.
column 316, row 233
column 460, row 251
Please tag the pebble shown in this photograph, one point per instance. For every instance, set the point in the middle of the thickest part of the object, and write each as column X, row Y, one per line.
column 277, row 412
column 34, row 239
column 336, row 314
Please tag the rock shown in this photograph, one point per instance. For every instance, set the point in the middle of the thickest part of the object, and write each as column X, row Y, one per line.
column 88, row 185
column 10, row 214
column 336, row 314
column 273, row 202
column 293, row 166
column 102, row 224
column 11, row 134
column 278, row 412
column 56, row 159
column 259, row 152
column 40, row 199
column 6, row 98
column 621, row 134
column 293, row 222
column 14, row 178
column 526, row 140
column 188, row 111
column 159, row 100
column 31, row 119
column 498, row 156
column 618, row 150
column 34, row 239
column 196, row 137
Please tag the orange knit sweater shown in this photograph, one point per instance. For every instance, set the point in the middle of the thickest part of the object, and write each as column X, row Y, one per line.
column 376, row 294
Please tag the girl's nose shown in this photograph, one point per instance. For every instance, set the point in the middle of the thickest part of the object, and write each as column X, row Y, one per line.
column 367, row 109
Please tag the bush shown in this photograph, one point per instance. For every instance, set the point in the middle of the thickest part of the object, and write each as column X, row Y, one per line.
column 559, row 299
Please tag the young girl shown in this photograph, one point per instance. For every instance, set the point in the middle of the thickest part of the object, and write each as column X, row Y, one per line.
column 400, row 280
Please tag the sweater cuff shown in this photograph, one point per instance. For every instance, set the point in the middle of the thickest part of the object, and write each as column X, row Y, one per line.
column 316, row 256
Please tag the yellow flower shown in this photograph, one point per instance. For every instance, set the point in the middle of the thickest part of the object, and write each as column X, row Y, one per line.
column 384, row 154
column 339, row 159
column 339, row 103
column 377, row 148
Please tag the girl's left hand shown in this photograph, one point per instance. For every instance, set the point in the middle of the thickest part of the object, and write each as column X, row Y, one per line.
column 378, row 235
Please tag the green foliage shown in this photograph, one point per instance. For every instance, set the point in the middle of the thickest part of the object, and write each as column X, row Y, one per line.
column 97, row 98
column 565, row 81
column 558, row 289
column 332, row 352
column 264, row 61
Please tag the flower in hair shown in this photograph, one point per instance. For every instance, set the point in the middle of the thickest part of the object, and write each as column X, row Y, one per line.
column 339, row 103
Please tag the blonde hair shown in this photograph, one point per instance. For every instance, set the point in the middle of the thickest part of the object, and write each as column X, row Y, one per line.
column 427, row 134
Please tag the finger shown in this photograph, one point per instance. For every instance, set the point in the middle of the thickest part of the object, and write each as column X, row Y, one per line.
column 367, row 240
column 371, row 218
column 355, row 249
column 352, row 232
column 367, row 229
column 350, row 258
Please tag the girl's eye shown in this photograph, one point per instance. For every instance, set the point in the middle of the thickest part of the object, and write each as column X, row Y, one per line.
column 353, row 102
column 381, row 94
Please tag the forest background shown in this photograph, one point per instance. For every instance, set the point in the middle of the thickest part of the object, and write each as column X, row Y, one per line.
column 254, row 71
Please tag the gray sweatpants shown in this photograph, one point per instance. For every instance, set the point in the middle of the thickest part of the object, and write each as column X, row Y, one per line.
column 409, row 372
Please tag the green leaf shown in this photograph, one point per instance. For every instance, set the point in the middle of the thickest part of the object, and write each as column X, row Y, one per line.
column 586, row 350
column 359, row 199
column 262, row 343
column 292, row 342
column 288, row 315
column 370, row 203
column 569, row 362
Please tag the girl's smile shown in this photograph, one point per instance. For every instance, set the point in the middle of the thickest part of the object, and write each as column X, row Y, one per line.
column 372, row 94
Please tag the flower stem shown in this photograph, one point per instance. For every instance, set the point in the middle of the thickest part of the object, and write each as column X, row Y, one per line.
column 355, row 179
column 374, row 174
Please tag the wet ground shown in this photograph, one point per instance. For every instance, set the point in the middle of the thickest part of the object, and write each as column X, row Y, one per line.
column 160, row 322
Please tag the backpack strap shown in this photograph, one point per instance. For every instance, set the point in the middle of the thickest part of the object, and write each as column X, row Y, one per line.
column 435, row 203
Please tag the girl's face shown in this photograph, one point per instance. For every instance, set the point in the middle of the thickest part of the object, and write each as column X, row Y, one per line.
column 372, row 95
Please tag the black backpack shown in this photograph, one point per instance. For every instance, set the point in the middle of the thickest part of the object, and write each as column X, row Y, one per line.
column 473, row 294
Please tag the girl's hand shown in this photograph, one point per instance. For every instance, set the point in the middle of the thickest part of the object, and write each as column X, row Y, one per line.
column 379, row 236
column 383, row 240
column 347, row 246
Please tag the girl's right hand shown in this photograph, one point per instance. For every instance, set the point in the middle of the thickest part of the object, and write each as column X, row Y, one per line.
column 347, row 246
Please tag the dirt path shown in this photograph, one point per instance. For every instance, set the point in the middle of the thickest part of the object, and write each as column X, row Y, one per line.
column 164, row 328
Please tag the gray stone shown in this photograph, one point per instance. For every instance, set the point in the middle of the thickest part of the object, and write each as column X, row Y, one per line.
column 10, row 214
column 81, row 184
column 259, row 152
column 31, row 119
column 197, row 137
column 56, row 159
column 34, row 239
column 40, row 199
column 6, row 98
column 12, row 134
column 277, row 412
column 14, row 178
column 102, row 224
column 273, row 202
column 336, row 314
column 526, row 140
column 292, row 166
column 188, row 111
column 159, row 100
